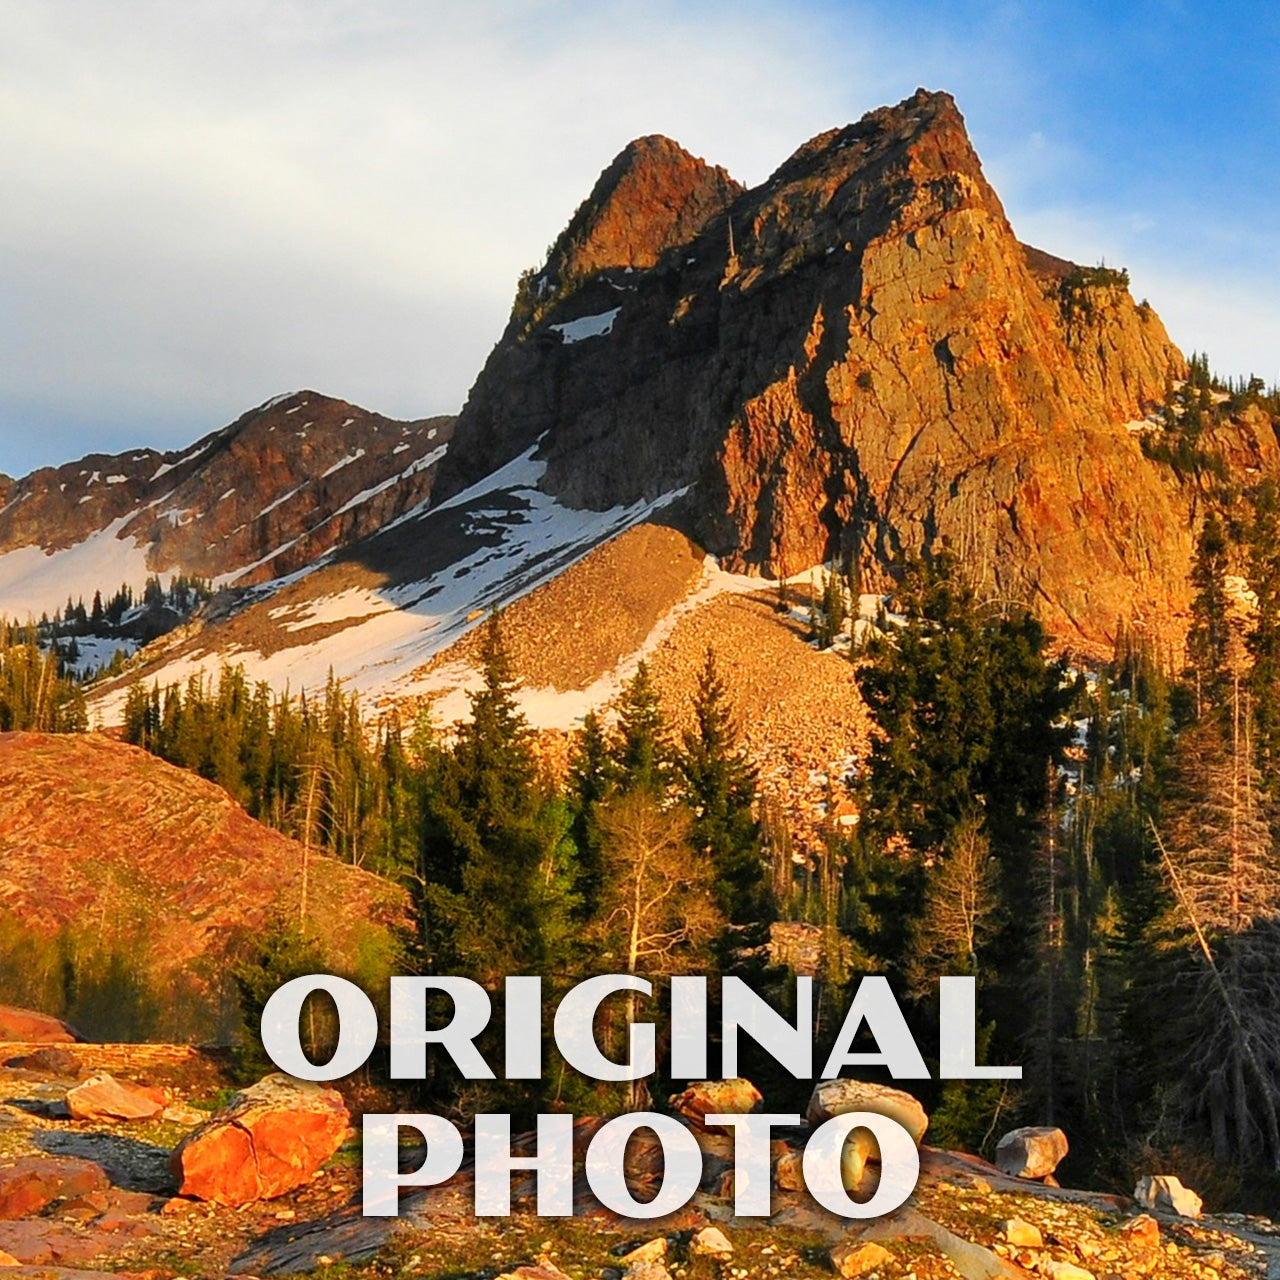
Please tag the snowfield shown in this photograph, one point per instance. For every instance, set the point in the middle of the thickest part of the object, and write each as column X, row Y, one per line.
column 504, row 537
column 33, row 582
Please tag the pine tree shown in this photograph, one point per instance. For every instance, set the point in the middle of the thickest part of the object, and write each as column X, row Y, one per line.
column 970, row 713
column 639, row 750
column 1264, row 639
column 483, row 866
column 1208, row 637
column 719, row 787
column 590, row 782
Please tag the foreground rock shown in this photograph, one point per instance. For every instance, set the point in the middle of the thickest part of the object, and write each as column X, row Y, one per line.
column 269, row 1139
column 52, row 1061
column 1164, row 1191
column 31, row 1184
column 103, row 1097
column 852, row 1259
column 736, row 1097
column 26, row 1026
column 839, row 1097
column 710, row 1242
column 1031, row 1152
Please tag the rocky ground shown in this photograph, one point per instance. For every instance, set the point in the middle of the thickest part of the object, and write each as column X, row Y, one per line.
column 94, row 1197
column 802, row 719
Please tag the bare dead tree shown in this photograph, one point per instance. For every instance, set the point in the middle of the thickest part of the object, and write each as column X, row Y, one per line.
column 1235, row 1003
column 658, row 909
column 960, row 904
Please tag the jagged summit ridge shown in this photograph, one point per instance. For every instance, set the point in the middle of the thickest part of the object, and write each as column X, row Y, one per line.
column 852, row 359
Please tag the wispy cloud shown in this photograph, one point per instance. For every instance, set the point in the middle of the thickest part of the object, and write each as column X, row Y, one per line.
column 205, row 205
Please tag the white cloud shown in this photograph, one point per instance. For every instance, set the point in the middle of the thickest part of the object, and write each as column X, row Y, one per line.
column 208, row 204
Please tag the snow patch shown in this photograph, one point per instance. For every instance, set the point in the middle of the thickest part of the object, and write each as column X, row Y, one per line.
column 586, row 327
column 94, row 652
column 282, row 499
column 166, row 467
column 345, row 606
column 521, row 537
column 343, row 462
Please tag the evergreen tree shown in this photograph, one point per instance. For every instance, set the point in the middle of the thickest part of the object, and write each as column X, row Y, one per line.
column 970, row 712
column 719, row 788
column 490, row 852
column 1209, row 635
column 590, row 782
column 639, row 750
column 1264, row 639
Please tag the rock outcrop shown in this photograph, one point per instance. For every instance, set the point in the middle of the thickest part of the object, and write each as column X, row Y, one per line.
column 854, row 359
column 653, row 198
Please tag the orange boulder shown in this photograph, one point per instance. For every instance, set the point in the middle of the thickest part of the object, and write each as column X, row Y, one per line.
column 26, row 1026
column 269, row 1139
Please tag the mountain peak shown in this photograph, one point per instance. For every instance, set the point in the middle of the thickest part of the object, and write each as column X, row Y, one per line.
column 652, row 196
column 866, row 354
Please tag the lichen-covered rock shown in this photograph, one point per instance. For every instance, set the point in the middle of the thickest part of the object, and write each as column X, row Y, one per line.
column 716, row 1097
column 1031, row 1152
column 1164, row 1191
column 269, row 1139
column 839, row 1097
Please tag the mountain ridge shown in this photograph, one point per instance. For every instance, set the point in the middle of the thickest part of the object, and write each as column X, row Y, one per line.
column 287, row 482
column 849, row 362
column 854, row 361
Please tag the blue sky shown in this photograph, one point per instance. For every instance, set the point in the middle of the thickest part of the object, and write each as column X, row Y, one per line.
column 207, row 205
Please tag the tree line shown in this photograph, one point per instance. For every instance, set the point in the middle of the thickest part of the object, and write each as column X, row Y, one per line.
column 36, row 692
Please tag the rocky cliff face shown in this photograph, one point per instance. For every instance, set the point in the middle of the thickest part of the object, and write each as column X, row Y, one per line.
column 652, row 199
column 857, row 358
column 279, row 487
